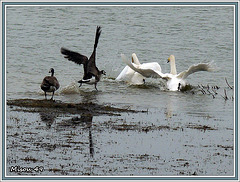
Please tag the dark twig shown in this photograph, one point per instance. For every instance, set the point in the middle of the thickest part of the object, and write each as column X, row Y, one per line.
column 208, row 87
column 203, row 86
column 202, row 90
column 231, row 87
column 215, row 87
column 214, row 91
column 211, row 94
column 225, row 97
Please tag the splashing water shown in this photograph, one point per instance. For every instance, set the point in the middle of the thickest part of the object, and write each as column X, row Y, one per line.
column 72, row 88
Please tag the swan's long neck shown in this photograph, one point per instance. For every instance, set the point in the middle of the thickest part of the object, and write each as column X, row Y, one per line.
column 135, row 59
column 173, row 67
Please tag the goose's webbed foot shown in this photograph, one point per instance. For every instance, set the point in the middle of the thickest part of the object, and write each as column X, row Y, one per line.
column 80, row 81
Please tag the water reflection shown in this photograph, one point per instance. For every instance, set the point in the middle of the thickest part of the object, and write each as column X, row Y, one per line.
column 172, row 104
column 85, row 121
column 48, row 118
column 169, row 107
column 169, row 110
column 89, row 96
column 88, row 120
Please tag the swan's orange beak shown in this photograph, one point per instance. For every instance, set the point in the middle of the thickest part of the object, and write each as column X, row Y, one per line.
column 132, row 60
column 168, row 60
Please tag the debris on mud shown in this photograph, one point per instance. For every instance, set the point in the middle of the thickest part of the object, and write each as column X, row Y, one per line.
column 73, row 108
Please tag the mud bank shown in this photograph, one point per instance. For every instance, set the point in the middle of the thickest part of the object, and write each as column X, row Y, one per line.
column 55, row 138
column 31, row 105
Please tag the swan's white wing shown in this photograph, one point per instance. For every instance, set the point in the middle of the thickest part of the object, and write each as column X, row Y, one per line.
column 124, row 73
column 153, row 65
column 149, row 73
column 137, row 79
column 195, row 68
column 135, row 59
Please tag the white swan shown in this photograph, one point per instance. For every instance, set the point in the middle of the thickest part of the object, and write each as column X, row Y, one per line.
column 129, row 75
column 174, row 81
column 133, row 77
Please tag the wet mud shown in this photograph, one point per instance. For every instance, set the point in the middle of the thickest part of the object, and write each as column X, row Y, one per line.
column 53, row 138
column 73, row 108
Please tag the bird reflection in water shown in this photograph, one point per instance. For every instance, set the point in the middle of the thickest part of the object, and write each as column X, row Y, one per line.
column 48, row 118
column 88, row 120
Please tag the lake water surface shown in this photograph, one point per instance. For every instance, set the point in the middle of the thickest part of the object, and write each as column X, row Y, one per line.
column 181, row 134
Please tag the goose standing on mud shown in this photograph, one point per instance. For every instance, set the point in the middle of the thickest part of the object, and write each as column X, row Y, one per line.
column 89, row 65
column 133, row 77
column 50, row 84
column 174, row 81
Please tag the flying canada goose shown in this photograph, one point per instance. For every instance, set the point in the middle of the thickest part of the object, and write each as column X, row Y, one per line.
column 50, row 84
column 174, row 81
column 89, row 65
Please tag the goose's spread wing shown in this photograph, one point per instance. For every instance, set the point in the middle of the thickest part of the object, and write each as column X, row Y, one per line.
column 74, row 56
column 91, row 65
column 149, row 73
column 195, row 68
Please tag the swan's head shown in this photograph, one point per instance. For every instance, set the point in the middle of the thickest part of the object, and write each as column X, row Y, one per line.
column 133, row 55
column 171, row 58
column 135, row 59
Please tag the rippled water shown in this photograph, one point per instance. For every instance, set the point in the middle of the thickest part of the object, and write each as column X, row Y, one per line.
column 34, row 36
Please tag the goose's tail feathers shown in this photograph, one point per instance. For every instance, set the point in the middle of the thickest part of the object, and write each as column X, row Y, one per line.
column 98, row 33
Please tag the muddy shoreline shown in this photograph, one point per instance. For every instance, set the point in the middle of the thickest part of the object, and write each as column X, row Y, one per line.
column 54, row 138
column 32, row 105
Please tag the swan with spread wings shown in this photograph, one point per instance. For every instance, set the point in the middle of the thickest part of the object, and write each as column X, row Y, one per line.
column 133, row 77
column 174, row 81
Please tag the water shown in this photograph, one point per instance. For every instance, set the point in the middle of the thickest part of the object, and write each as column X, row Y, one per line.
column 182, row 133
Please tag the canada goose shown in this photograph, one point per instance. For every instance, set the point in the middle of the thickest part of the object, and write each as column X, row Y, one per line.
column 174, row 81
column 89, row 65
column 50, row 84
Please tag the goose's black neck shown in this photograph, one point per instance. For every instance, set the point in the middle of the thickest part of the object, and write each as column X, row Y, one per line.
column 52, row 71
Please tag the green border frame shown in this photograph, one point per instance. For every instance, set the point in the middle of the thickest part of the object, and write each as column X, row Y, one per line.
column 4, row 4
